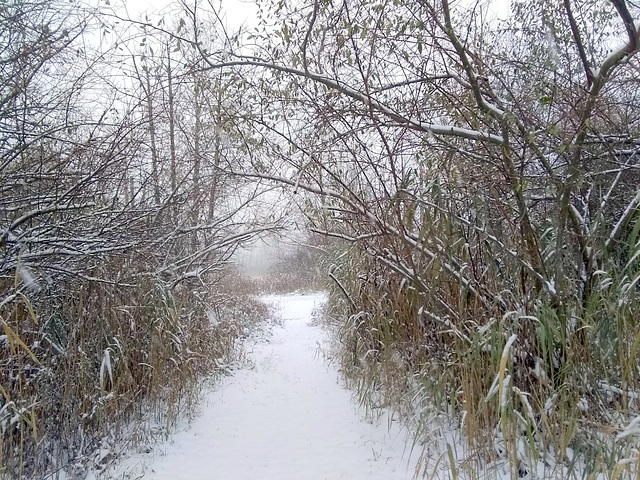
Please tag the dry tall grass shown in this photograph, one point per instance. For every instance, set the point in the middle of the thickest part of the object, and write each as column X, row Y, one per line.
column 541, row 391
column 89, row 369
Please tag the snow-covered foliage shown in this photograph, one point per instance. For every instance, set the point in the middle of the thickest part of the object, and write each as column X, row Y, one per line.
column 482, row 178
column 117, row 224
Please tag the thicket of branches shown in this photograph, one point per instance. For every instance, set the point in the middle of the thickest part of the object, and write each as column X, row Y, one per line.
column 480, row 175
column 483, row 176
column 117, row 223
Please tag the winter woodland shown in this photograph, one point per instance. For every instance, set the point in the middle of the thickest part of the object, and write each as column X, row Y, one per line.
column 460, row 177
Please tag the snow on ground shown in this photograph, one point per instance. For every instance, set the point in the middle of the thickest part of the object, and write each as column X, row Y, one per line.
column 288, row 417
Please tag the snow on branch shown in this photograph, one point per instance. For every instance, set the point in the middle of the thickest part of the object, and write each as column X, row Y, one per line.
column 412, row 123
column 624, row 218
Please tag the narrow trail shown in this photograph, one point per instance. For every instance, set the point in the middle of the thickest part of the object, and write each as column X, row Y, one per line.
column 286, row 418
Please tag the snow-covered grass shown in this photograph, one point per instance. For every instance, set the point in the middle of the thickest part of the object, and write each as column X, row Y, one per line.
column 287, row 417
column 526, row 395
column 97, row 369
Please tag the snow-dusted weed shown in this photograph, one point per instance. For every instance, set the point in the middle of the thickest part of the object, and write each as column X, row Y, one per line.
column 525, row 394
column 99, row 371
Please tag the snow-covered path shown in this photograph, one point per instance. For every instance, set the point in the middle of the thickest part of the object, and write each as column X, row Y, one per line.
column 287, row 418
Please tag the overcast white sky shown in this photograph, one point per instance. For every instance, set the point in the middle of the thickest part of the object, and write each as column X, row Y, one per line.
column 237, row 12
